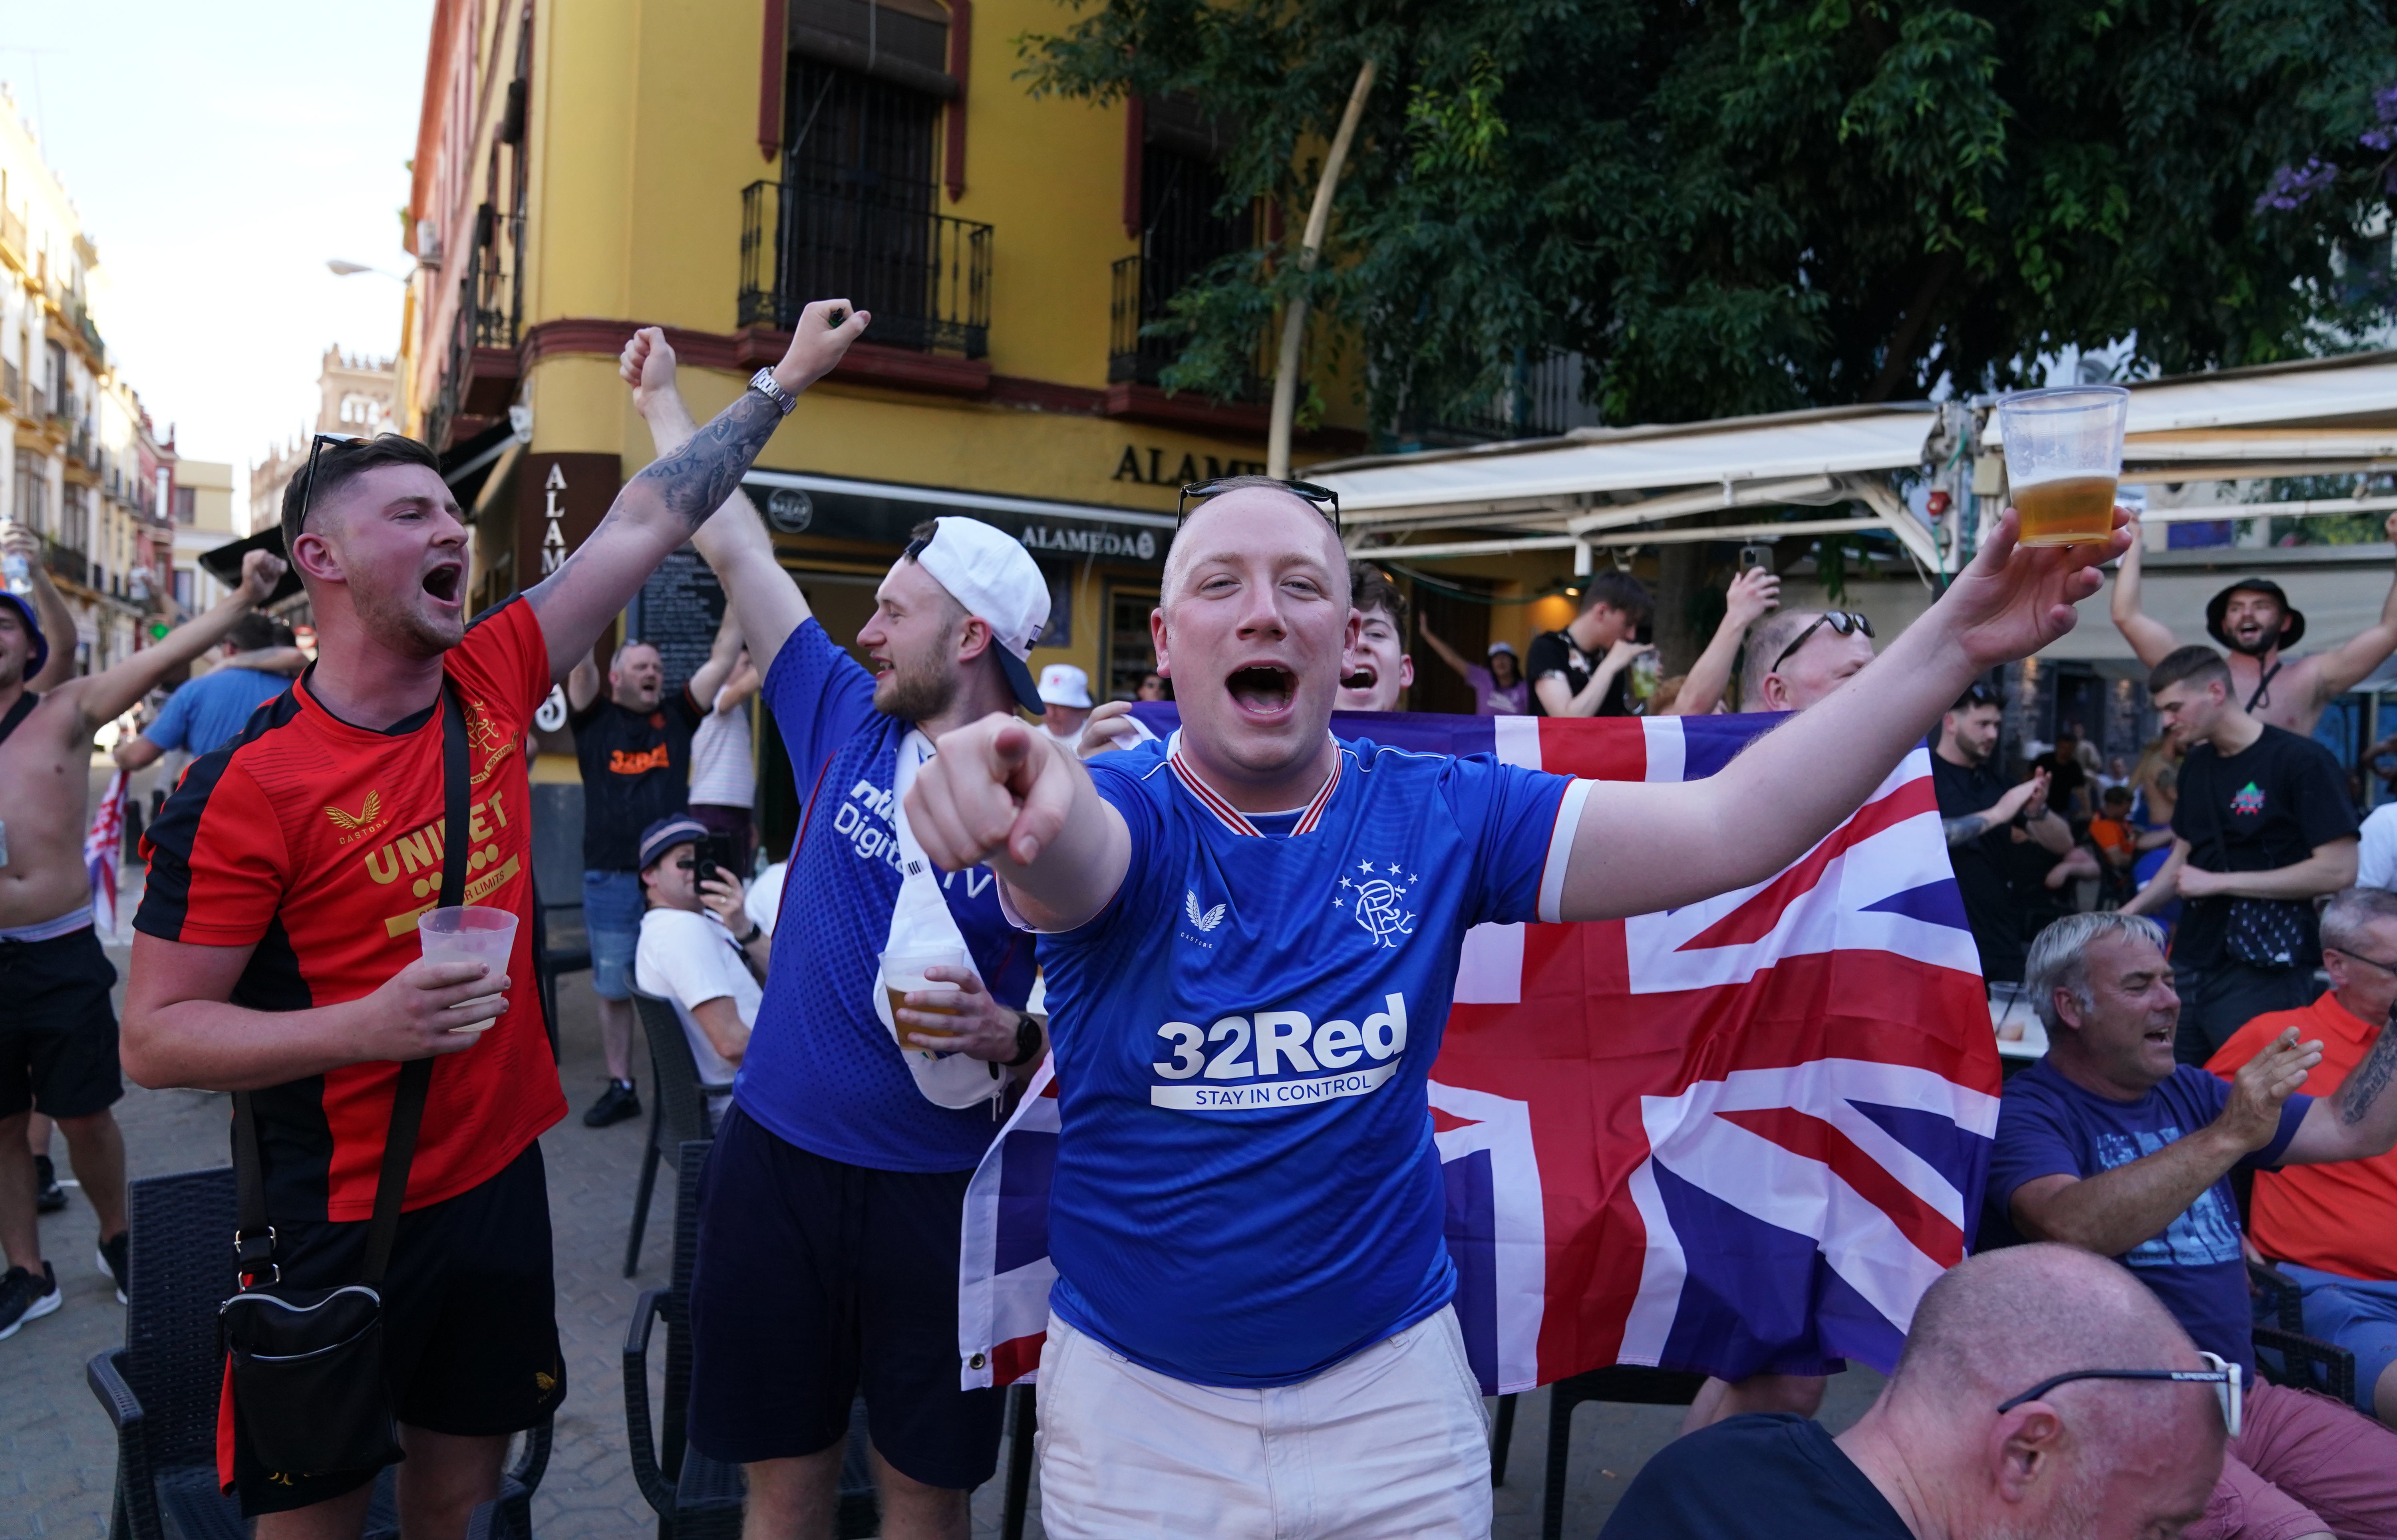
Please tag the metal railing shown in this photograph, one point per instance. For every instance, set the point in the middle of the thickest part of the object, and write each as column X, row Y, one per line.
column 925, row 276
column 1138, row 295
column 66, row 561
column 12, row 232
column 12, row 384
column 1537, row 401
column 491, row 273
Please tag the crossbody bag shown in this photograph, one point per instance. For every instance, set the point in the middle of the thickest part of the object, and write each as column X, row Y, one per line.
column 307, row 1365
column 2262, row 933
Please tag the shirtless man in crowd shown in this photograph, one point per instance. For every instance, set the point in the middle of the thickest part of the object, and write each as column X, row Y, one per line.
column 57, row 1045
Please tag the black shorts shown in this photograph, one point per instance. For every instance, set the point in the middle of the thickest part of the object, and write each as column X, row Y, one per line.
column 58, row 1033
column 470, row 1325
column 816, row 1278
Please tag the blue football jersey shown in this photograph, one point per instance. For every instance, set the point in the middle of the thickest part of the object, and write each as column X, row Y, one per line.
column 1247, row 1189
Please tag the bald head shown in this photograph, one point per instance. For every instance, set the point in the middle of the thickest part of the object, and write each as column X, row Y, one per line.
column 2098, row 1458
column 1249, row 496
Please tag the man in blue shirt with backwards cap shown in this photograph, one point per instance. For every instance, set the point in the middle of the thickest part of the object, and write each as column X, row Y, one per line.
column 1251, row 936
column 256, row 663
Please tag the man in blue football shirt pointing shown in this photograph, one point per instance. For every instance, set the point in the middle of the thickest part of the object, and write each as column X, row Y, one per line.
column 1251, row 934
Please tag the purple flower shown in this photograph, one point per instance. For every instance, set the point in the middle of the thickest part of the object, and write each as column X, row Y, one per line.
column 2290, row 189
column 2385, row 104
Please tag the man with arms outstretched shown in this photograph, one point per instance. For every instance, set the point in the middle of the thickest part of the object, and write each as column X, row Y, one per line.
column 58, row 1033
column 2253, row 620
column 276, row 950
column 1250, row 937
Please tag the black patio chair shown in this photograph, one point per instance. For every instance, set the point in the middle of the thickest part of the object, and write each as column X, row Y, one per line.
column 2284, row 1354
column 678, row 1110
column 560, row 945
column 695, row 1498
column 1622, row 1383
column 160, row 1390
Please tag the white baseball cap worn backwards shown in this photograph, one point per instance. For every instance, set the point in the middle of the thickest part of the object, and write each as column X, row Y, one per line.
column 989, row 572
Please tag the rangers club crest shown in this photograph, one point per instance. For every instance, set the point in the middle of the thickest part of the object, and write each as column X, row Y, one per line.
column 1375, row 897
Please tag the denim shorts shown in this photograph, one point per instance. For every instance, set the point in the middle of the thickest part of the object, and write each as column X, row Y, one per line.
column 2358, row 1314
column 611, row 919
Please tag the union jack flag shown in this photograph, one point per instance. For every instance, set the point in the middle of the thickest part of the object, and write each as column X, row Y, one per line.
column 1740, row 1137
column 102, row 845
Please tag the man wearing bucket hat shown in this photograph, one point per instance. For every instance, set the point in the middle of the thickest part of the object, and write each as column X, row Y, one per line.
column 830, row 1208
column 2255, row 622
column 57, row 1037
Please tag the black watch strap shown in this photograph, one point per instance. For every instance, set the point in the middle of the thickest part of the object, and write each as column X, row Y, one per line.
column 1028, row 1040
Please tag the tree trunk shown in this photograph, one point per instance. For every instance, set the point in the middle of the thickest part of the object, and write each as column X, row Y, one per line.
column 1679, row 569
column 1293, row 324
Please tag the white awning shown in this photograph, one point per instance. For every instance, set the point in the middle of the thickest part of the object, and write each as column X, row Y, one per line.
column 2323, row 392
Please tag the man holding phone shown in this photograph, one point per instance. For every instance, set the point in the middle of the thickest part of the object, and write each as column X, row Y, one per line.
column 276, row 950
column 698, row 949
column 1585, row 670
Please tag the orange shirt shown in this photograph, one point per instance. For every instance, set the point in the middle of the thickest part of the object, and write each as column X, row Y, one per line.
column 2335, row 1219
column 2113, row 834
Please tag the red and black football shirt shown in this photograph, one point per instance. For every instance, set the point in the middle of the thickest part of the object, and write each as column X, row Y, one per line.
column 318, row 843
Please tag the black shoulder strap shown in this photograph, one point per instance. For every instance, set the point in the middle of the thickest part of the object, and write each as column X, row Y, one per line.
column 254, row 1240
column 17, row 714
column 2263, row 686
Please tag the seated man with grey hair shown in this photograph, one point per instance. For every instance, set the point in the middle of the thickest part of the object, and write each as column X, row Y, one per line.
column 2006, row 1419
column 2110, row 1145
column 2334, row 1229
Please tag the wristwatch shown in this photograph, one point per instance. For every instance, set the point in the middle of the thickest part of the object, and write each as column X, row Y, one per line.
column 766, row 385
column 756, row 930
column 1028, row 1040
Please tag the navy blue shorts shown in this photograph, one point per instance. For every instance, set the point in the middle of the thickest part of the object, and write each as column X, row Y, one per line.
column 815, row 1280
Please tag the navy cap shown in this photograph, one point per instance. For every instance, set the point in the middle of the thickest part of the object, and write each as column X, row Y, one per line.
column 666, row 833
column 41, row 652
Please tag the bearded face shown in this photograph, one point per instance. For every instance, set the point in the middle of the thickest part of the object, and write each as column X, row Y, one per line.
column 2252, row 622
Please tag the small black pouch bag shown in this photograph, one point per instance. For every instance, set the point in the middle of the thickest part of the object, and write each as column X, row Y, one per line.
column 308, row 1383
column 2262, row 933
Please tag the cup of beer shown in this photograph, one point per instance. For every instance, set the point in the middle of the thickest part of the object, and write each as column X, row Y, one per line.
column 903, row 975
column 2064, row 454
column 469, row 933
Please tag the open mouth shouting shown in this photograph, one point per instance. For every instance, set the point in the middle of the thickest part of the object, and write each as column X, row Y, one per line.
column 444, row 582
column 1262, row 691
column 1365, row 678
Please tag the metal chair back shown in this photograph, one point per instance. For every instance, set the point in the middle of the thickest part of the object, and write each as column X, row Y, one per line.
column 180, row 1271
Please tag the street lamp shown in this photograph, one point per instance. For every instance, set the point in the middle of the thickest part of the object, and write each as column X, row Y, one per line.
column 343, row 268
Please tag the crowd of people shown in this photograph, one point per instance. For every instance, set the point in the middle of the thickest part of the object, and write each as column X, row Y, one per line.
column 1253, row 1330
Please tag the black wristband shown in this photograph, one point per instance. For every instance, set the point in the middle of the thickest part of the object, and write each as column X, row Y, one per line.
column 756, row 930
column 1027, row 1041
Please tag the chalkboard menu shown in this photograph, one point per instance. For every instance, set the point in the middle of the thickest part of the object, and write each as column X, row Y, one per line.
column 677, row 611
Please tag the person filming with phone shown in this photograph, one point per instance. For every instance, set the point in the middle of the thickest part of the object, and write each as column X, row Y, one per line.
column 699, row 947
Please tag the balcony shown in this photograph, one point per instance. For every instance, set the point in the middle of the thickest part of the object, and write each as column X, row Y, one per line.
column 66, row 564
column 1541, row 398
column 12, row 384
column 12, row 238
column 479, row 377
column 925, row 276
column 1138, row 296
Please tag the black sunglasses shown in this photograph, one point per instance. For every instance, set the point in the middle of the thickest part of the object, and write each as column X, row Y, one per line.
column 1846, row 622
column 1325, row 500
column 2224, row 1377
column 1977, row 694
column 308, row 487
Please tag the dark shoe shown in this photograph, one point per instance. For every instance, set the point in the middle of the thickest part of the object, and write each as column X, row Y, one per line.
column 49, row 1197
column 22, row 1300
column 113, row 1255
column 616, row 1104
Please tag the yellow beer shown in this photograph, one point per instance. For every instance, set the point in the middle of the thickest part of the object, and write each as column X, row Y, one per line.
column 2067, row 510
column 899, row 1004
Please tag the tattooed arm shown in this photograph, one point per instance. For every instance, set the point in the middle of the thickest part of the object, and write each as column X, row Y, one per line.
column 2358, row 1118
column 673, row 495
column 1972, row 826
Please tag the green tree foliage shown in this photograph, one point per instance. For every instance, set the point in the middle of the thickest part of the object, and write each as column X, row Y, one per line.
column 1750, row 205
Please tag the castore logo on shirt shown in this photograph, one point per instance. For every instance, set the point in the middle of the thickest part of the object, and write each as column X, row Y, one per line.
column 1362, row 1057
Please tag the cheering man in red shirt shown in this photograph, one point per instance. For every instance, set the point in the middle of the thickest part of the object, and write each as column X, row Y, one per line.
column 276, row 950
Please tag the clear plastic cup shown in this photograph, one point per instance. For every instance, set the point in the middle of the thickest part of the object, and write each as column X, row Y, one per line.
column 2063, row 456
column 903, row 973
column 471, row 932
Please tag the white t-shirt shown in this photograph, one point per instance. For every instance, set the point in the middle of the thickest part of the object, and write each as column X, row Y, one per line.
column 691, row 959
column 2375, row 863
column 723, row 772
column 764, row 900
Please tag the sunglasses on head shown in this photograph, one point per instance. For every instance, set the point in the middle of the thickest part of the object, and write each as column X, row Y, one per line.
column 2224, row 1377
column 308, row 487
column 1846, row 622
column 1979, row 695
column 1325, row 500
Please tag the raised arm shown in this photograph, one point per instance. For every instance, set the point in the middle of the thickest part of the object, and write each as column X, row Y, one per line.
column 2122, row 1208
column 1448, row 655
column 1752, row 595
column 2356, row 1120
column 2344, row 667
column 712, row 673
column 734, row 542
column 1001, row 795
column 50, row 610
column 1641, row 847
column 673, row 495
column 2151, row 639
column 109, row 695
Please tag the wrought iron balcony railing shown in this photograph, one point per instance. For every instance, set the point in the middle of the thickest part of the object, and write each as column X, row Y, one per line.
column 1138, row 296
column 925, row 276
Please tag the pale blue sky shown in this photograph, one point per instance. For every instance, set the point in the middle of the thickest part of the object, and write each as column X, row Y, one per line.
column 218, row 154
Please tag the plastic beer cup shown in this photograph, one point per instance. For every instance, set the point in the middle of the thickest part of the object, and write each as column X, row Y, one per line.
column 903, row 975
column 2064, row 455
column 471, row 932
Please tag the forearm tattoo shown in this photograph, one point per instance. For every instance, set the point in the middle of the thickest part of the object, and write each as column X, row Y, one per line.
column 2367, row 1081
column 1964, row 831
column 695, row 479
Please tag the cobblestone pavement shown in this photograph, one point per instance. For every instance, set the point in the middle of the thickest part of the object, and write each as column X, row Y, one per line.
column 58, row 1455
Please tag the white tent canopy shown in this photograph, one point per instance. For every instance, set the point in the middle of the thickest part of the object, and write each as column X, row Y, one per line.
column 1618, row 486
